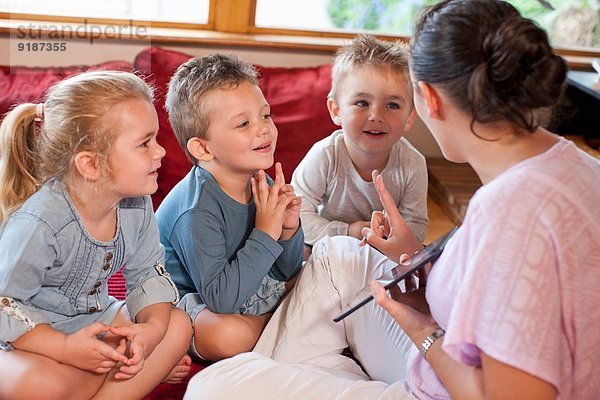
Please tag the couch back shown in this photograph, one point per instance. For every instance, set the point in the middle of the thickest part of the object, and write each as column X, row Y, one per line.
column 297, row 97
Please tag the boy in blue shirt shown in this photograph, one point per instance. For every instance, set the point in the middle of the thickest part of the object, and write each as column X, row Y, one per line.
column 231, row 235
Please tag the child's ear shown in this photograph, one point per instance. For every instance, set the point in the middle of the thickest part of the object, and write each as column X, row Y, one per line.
column 432, row 100
column 199, row 149
column 410, row 120
column 88, row 164
column 334, row 111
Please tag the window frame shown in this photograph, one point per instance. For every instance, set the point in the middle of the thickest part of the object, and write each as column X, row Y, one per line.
column 107, row 21
column 248, row 10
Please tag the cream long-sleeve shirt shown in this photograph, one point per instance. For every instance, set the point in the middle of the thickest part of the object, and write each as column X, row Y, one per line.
column 334, row 195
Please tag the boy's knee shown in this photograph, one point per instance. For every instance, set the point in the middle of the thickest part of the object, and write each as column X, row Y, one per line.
column 236, row 337
column 229, row 338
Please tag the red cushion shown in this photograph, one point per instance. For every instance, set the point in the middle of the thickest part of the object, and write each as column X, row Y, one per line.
column 157, row 65
column 167, row 391
column 26, row 84
column 116, row 285
column 298, row 103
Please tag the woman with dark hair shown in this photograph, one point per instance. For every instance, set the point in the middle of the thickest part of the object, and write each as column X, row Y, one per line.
column 510, row 308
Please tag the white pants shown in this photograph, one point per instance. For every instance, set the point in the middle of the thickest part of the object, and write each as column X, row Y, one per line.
column 299, row 353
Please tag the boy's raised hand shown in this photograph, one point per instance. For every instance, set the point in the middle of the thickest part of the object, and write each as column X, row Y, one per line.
column 270, row 206
column 291, row 216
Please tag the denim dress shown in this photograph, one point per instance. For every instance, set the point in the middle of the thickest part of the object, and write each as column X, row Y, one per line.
column 52, row 271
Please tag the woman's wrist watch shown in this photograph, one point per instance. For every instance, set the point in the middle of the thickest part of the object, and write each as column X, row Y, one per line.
column 429, row 340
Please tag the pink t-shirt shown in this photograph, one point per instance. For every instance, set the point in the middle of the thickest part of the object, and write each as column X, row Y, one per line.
column 520, row 280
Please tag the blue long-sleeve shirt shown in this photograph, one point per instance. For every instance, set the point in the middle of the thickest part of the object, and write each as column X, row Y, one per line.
column 213, row 249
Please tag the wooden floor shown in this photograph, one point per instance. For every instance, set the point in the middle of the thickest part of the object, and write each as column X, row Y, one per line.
column 439, row 221
column 578, row 140
column 452, row 185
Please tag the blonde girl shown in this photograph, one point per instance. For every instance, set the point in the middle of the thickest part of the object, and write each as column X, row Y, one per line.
column 76, row 172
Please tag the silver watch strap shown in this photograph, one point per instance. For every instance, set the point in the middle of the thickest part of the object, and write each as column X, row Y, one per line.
column 429, row 340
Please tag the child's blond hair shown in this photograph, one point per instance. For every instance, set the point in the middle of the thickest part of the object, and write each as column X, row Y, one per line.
column 75, row 116
column 189, row 85
column 370, row 52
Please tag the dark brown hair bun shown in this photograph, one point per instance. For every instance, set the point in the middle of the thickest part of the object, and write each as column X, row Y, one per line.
column 493, row 63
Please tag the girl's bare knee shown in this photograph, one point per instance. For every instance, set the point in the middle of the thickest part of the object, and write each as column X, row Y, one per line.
column 53, row 387
column 179, row 333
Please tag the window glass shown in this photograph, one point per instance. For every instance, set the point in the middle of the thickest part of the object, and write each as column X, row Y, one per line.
column 186, row 11
column 570, row 23
column 309, row 15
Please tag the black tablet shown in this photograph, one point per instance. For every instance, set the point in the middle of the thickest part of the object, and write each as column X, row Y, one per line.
column 426, row 255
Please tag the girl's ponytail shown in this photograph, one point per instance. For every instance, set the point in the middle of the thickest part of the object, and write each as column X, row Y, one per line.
column 18, row 178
